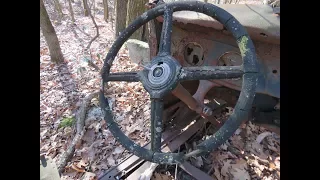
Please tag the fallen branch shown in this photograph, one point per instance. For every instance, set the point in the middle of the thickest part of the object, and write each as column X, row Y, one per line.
column 81, row 116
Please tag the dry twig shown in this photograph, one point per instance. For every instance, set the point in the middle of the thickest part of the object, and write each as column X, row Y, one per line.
column 68, row 154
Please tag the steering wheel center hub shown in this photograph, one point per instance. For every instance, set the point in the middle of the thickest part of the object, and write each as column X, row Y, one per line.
column 159, row 74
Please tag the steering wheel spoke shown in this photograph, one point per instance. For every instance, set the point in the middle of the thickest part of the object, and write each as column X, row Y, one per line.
column 123, row 76
column 156, row 124
column 165, row 39
column 210, row 72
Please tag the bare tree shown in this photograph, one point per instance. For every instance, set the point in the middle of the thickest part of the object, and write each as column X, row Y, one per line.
column 93, row 6
column 71, row 11
column 95, row 25
column 57, row 6
column 135, row 9
column 87, row 49
column 50, row 35
column 85, row 7
column 121, row 15
column 105, row 10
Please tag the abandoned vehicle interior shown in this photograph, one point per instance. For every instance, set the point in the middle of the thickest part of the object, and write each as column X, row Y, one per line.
column 203, row 57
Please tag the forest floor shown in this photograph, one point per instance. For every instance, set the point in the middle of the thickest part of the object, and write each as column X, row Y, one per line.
column 62, row 87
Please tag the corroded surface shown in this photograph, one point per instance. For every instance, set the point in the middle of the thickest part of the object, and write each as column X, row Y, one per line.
column 216, row 43
column 257, row 19
column 246, row 95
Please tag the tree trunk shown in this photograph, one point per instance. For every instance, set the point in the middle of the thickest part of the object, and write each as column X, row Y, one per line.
column 50, row 35
column 121, row 15
column 94, row 8
column 71, row 12
column 135, row 9
column 105, row 10
column 85, row 7
column 58, row 8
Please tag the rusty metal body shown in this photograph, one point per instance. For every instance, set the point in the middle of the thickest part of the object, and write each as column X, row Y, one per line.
column 203, row 42
column 216, row 43
column 213, row 45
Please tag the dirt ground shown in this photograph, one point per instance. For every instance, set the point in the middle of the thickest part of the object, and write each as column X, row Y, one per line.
column 252, row 153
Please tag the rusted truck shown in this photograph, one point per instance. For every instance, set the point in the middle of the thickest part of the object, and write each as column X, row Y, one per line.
column 201, row 51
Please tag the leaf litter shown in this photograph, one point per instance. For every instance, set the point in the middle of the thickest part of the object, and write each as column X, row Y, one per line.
column 63, row 86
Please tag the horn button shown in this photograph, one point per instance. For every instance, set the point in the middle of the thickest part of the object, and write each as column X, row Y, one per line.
column 160, row 76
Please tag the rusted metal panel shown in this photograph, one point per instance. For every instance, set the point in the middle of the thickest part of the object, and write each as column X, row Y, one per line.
column 186, row 97
column 195, row 172
column 216, row 43
column 260, row 20
column 262, row 25
column 172, row 146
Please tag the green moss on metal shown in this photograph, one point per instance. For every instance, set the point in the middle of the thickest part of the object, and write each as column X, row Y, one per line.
column 243, row 44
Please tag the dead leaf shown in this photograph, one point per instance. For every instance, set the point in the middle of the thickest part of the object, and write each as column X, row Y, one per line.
column 75, row 167
column 217, row 173
column 54, row 137
column 103, row 122
column 257, row 171
column 224, row 146
column 89, row 136
column 220, row 156
column 111, row 161
column 128, row 109
column 158, row 176
column 262, row 136
column 94, row 167
column 68, row 131
column 240, row 163
column 121, row 99
column 272, row 166
column 44, row 132
column 197, row 162
column 257, row 149
column 255, row 163
column 277, row 162
column 239, row 174
column 118, row 150
column 96, row 126
column 238, row 131
column 83, row 163
column 273, row 149
column 69, row 175
column 89, row 176
column 52, row 152
column 237, row 142
column 225, row 168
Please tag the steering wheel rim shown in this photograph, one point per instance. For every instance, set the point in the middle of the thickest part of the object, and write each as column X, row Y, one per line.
column 248, row 70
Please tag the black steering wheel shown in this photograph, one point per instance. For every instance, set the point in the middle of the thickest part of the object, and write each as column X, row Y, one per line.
column 164, row 73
